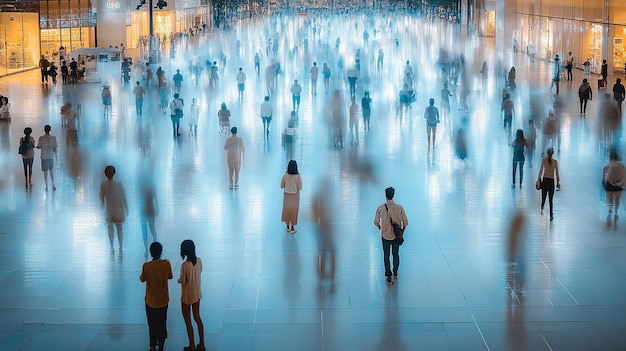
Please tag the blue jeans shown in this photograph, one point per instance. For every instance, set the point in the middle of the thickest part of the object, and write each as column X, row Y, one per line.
column 394, row 247
column 521, row 170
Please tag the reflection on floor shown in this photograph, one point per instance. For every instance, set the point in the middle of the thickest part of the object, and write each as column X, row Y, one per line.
column 62, row 289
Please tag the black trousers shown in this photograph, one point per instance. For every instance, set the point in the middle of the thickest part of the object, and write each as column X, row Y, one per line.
column 157, row 325
column 394, row 247
column 547, row 188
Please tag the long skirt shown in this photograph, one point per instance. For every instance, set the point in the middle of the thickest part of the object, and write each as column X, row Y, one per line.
column 291, row 206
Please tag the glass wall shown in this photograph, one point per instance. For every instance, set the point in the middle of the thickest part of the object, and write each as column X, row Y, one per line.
column 65, row 25
column 590, row 29
column 19, row 41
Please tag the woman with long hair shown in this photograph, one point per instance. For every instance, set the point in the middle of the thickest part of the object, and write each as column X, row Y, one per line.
column 549, row 169
column 190, row 281
column 291, row 183
column 27, row 150
column 518, row 155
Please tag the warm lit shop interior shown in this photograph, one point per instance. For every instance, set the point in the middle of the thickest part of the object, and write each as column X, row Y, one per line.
column 19, row 41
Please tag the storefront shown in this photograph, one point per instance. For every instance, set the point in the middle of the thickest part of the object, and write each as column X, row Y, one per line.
column 590, row 29
column 29, row 29
column 19, row 41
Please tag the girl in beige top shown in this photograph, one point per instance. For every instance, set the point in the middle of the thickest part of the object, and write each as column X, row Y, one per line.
column 190, row 281
column 549, row 169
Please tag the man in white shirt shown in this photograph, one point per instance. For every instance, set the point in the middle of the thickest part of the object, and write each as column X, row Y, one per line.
column 266, row 114
column 314, row 73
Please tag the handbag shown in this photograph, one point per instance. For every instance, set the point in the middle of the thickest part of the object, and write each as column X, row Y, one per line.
column 398, row 231
column 538, row 184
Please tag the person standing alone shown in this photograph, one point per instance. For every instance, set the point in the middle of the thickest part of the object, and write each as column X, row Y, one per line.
column 314, row 74
column 619, row 93
column 386, row 214
column 113, row 198
column 234, row 156
column 431, row 115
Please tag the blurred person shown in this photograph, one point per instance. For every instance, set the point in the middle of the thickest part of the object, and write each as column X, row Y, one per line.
column 270, row 79
column 214, row 76
column 460, row 145
column 366, row 109
column 139, row 93
column 5, row 109
column 296, row 90
column 266, row 114
column 587, row 67
column 234, row 157
column 445, row 102
column 106, row 99
column 484, row 72
column 27, row 150
column 314, row 74
column 194, row 115
column 604, row 72
column 556, row 74
column 518, row 155
column 531, row 141
column 550, row 131
column 511, row 78
column 241, row 83
column 431, row 115
column 65, row 72
column 176, row 113
column 326, row 75
column 155, row 274
column 508, row 108
column 52, row 72
column 291, row 183
column 43, row 67
column 353, row 120
column 353, row 75
column 613, row 181
column 548, row 171
column 386, row 214
column 337, row 119
column 48, row 145
column 113, row 199
column 164, row 95
column 289, row 138
column 569, row 65
column 257, row 64
column 178, row 81
column 619, row 93
column 516, row 265
column 191, row 284
column 585, row 94
column 610, row 119
column 322, row 210
column 147, row 192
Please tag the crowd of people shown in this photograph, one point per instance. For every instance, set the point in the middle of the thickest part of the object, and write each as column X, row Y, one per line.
column 447, row 104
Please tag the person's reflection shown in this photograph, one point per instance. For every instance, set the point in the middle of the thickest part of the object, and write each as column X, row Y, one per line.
column 321, row 209
column 5, row 127
column 293, row 268
column 515, row 327
column 516, row 265
column 392, row 309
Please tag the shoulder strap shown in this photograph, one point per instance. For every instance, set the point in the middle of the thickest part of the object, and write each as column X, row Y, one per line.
column 389, row 213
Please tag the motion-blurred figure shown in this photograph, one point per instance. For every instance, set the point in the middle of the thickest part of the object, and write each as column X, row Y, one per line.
column 322, row 210
column 516, row 266
column 113, row 199
column 613, row 180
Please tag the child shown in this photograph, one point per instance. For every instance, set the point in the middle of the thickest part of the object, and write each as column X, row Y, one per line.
column 190, row 281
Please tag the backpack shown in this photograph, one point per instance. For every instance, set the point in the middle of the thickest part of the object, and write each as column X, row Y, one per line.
column 25, row 146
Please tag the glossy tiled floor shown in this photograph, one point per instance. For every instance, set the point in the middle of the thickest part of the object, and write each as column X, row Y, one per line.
column 61, row 288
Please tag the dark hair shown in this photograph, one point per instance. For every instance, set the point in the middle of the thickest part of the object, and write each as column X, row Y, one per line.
column 156, row 249
column 519, row 135
column 233, row 130
column 223, row 106
column 390, row 192
column 47, row 128
column 431, row 101
column 267, row 98
column 613, row 154
column 550, row 151
column 28, row 131
column 292, row 167
column 188, row 249
column 109, row 171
